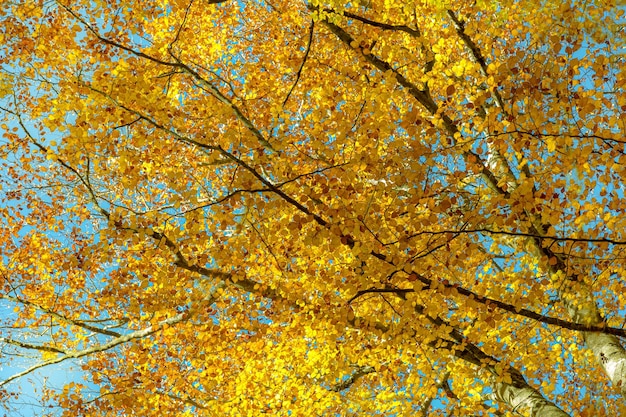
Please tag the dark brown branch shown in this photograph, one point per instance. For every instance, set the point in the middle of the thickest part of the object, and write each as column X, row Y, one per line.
column 359, row 373
column 564, row 324
column 182, row 24
column 480, row 59
column 380, row 291
column 385, row 26
column 519, row 234
column 115, row 44
column 556, row 135
column 306, row 55
column 421, row 95
column 459, row 25
column 319, row 220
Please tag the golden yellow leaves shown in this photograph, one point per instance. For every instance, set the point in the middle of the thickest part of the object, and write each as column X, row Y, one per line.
column 6, row 82
column 27, row 11
column 366, row 188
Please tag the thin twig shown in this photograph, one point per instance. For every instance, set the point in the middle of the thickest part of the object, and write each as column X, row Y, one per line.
column 306, row 55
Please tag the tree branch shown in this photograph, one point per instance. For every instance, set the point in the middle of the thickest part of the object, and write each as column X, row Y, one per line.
column 306, row 55
column 490, row 302
column 459, row 25
column 360, row 372
column 520, row 234
column 138, row 334
column 31, row 346
column 61, row 317
column 385, row 26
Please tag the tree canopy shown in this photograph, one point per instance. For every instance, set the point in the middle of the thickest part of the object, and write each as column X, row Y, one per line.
column 307, row 208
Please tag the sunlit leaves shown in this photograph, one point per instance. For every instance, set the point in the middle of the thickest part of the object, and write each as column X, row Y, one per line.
column 354, row 216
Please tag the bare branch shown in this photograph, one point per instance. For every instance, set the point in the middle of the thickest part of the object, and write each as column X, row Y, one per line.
column 30, row 346
column 138, row 334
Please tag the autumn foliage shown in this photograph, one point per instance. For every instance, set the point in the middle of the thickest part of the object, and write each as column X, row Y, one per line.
column 292, row 208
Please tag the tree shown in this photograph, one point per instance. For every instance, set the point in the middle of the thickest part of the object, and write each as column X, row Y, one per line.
column 292, row 208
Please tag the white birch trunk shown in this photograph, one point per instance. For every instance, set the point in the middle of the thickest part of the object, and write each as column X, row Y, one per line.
column 606, row 348
column 525, row 400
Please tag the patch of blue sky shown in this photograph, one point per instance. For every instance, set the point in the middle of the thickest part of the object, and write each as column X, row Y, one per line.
column 31, row 401
column 33, row 384
column 30, row 387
